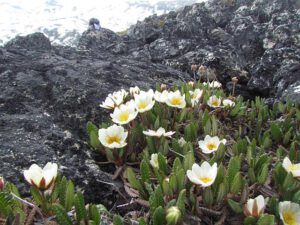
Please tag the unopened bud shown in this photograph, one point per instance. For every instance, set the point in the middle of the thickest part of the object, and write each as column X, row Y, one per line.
column 194, row 67
column 191, row 83
column 163, row 87
column 173, row 215
column 134, row 90
column 202, row 69
column 234, row 79
column 2, row 183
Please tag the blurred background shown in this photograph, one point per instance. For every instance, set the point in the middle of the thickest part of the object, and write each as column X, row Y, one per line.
column 64, row 20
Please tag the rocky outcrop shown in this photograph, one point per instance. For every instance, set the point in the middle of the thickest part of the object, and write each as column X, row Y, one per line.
column 48, row 92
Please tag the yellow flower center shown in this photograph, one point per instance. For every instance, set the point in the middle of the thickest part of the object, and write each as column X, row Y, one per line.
column 142, row 105
column 176, row 101
column 211, row 146
column 205, row 179
column 113, row 139
column 289, row 218
column 123, row 116
column 215, row 103
column 294, row 167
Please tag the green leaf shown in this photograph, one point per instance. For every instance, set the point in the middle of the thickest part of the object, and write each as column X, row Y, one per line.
column 95, row 214
column 159, row 216
column 236, row 184
column 162, row 162
column 61, row 215
column 142, row 221
column 80, row 207
column 276, row 131
column 250, row 220
column 188, row 161
column 208, row 197
column 181, row 202
column 145, row 171
column 221, row 193
column 233, row 168
column 134, row 182
column 235, row 206
column 263, row 176
column 35, row 193
column 266, row 219
column 91, row 127
column 69, row 196
column 117, row 220
column 94, row 141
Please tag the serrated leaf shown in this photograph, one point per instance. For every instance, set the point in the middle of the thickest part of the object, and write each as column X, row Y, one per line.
column 276, row 131
column 94, row 214
column 61, row 215
column 266, row 219
column 91, row 127
column 236, row 184
column 117, row 220
column 145, row 171
column 235, row 206
column 221, row 193
column 134, row 182
column 262, row 178
column 80, row 207
column 188, row 161
column 208, row 197
column 233, row 168
column 35, row 193
column 69, row 196
column 181, row 202
column 159, row 216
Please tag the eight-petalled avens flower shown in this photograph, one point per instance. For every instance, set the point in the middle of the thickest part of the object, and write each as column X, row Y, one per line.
column 176, row 100
column 255, row 207
column 294, row 169
column 113, row 136
column 228, row 103
column 195, row 96
column 203, row 175
column 159, row 132
column 210, row 144
column 41, row 178
column 115, row 99
column 161, row 96
column 214, row 101
column 144, row 101
column 289, row 213
column 124, row 113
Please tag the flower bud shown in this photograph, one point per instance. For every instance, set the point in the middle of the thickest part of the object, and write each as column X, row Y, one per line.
column 194, row 68
column 173, row 215
column 134, row 90
column 181, row 142
column 2, row 183
column 255, row 207
column 163, row 87
column 202, row 69
column 191, row 83
column 234, row 80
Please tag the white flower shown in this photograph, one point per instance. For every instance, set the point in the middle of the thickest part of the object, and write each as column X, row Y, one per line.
column 181, row 142
column 158, row 133
column 203, row 175
column 134, row 90
column 214, row 101
column 228, row 103
column 289, row 213
column 210, row 144
column 144, row 101
column 291, row 168
column 108, row 103
column 154, row 161
column 41, row 178
column 175, row 99
column 213, row 84
column 124, row 113
column 161, row 96
column 255, row 207
column 195, row 96
column 191, row 83
column 114, row 99
column 113, row 136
